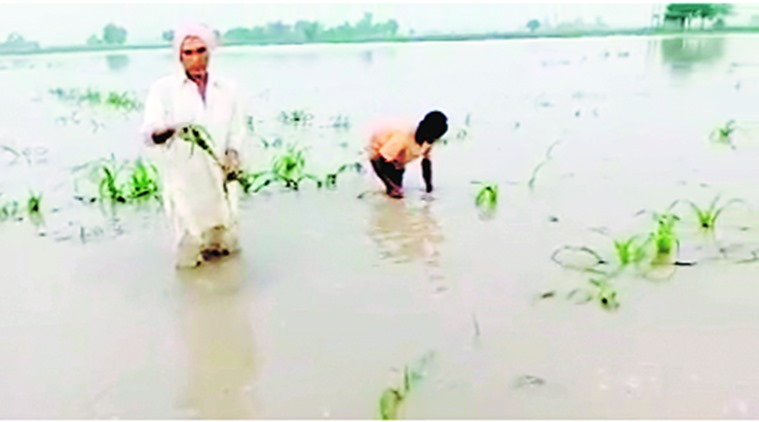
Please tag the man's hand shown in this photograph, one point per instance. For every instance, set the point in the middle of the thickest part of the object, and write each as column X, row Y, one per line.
column 427, row 174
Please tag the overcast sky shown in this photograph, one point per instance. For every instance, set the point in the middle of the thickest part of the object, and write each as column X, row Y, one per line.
column 59, row 23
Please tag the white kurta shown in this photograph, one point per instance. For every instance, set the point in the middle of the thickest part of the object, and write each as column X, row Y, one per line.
column 202, row 215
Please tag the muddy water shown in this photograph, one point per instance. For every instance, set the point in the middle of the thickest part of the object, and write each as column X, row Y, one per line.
column 333, row 295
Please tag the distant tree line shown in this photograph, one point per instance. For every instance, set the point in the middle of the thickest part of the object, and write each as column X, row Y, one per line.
column 304, row 31
column 16, row 42
column 112, row 35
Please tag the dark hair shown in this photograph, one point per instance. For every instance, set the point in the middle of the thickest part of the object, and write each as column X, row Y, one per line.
column 432, row 127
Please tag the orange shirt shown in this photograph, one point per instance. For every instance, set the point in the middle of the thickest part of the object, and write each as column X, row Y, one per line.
column 397, row 144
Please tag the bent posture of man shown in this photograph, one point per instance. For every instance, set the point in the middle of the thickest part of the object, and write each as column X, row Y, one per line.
column 203, row 214
column 392, row 148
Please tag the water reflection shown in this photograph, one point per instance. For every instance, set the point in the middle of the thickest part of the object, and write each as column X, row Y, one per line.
column 117, row 62
column 406, row 233
column 219, row 338
column 681, row 53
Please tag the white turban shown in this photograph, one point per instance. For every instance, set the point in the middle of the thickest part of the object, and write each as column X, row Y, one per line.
column 194, row 30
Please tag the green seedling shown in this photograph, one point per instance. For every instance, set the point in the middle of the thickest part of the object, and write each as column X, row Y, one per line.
column 487, row 196
column 122, row 101
column 392, row 397
column 296, row 117
column 33, row 204
column 143, row 181
column 630, row 251
column 605, row 294
column 341, row 122
column 10, row 211
column 724, row 133
column 665, row 238
column 707, row 217
column 330, row 180
column 287, row 168
column 109, row 187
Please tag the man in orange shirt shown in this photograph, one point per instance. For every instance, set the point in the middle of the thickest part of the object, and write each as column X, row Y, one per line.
column 391, row 149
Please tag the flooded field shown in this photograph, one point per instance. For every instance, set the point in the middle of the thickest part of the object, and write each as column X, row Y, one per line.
column 333, row 296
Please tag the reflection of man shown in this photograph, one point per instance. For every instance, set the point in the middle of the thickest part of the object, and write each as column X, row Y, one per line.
column 406, row 234
column 203, row 214
column 218, row 334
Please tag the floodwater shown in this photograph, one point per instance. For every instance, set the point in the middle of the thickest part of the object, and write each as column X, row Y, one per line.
column 333, row 295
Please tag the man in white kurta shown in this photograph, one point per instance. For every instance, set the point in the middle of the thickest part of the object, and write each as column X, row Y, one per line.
column 203, row 216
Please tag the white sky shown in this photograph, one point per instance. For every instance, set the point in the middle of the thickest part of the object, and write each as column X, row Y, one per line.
column 61, row 23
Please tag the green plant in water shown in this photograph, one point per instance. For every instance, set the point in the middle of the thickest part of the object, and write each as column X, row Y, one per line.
column 122, row 101
column 665, row 238
column 724, row 133
column 341, row 121
column 289, row 167
column 330, row 180
column 10, row 210
column 707, row 217
column 630, row 251
column 392, row 397
column 295, row 117
column 143, row 181
column 33, row 204
column 109, row 187
column 487, row 196
column 605, row 294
